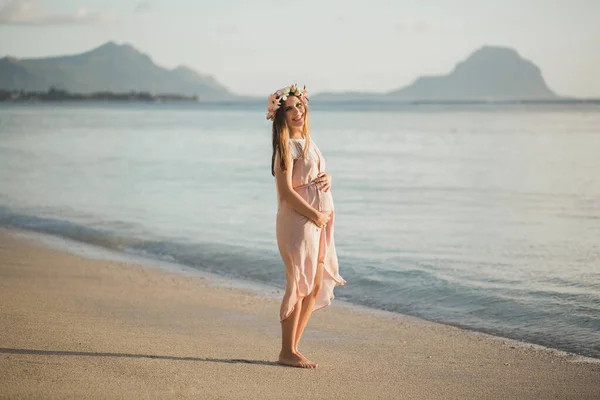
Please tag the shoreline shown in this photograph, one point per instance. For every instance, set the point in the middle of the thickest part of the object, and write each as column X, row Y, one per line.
column 74, row 326
column 261, row 290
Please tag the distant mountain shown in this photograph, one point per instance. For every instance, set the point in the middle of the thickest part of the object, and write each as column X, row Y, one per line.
column 110, row 67
column 490, row 73
column 15, row 75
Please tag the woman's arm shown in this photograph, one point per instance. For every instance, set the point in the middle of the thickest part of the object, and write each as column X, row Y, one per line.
column 287, row 192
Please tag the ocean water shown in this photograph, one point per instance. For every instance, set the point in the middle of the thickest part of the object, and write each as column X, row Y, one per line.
column 481, row 216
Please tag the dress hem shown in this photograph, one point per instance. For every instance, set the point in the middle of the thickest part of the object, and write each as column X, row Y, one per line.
column 342, row 283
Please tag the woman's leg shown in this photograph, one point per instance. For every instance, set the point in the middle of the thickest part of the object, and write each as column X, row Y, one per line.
column 309, row 301
column 289, row 326
column 307, row 306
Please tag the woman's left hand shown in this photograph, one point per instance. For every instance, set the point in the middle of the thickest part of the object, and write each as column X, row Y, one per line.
column 323, row 181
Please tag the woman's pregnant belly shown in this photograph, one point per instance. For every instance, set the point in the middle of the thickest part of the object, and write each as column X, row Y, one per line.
column 322, row 201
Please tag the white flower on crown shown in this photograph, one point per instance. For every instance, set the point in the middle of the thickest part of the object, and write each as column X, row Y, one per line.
column 275, row 99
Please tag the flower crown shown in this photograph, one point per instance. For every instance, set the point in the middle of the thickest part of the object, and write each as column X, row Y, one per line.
column 282, row 95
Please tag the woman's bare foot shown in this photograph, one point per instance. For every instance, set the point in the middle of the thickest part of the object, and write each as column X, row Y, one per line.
column 294, row 360
column 315, row 365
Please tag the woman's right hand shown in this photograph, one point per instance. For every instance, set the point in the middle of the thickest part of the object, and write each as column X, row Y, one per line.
column 322, row 218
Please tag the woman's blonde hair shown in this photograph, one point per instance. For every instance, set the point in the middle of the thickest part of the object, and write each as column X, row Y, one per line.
column 281, row 136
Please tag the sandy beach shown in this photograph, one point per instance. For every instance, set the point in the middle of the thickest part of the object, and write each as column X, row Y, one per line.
column 75, row 327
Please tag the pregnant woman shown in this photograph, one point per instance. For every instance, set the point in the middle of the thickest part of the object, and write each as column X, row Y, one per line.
column 305, row 220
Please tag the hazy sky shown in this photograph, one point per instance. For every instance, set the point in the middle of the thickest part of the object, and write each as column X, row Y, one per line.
column 256, row 46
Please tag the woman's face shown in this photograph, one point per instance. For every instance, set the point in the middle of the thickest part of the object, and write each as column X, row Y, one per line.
column 294, row 112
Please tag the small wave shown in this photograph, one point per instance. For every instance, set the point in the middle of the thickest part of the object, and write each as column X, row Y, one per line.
column 66, row 229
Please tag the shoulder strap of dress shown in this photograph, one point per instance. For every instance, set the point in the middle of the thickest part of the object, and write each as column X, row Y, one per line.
column 315, row 147
column 319, row 156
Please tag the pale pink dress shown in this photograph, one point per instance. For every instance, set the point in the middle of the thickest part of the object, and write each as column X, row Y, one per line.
column 301, row 243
